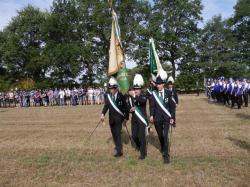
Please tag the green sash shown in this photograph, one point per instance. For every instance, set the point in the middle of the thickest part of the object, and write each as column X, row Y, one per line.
column 161, row 103
column 113, row 104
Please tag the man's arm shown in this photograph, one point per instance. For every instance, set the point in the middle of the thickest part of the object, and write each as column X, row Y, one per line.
column 152, row 108
column 105, row 107
column 171, row 108
column 125, row 107
column 141, row 100
column 176, row 97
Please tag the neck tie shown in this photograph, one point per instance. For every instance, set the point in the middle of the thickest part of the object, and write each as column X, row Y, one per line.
column 161, row 95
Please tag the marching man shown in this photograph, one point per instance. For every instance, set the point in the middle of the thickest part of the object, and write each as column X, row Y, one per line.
column 162, row 112
column 115, row 102
column 174, row 96
column 245, row 90
column 139, row 124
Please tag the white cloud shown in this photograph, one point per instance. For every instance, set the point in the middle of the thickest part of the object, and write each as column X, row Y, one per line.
column 216, row 7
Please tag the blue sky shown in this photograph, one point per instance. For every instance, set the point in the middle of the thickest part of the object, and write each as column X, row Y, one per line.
column 8, row 8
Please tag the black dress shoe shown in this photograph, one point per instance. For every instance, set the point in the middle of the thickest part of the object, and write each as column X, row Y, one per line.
column 118, row 155
column 142, row 157
column 166, row 160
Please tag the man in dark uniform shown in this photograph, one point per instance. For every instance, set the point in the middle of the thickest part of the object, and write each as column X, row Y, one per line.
column 161, row 113
column 1, row 99
column 237, row 94
column 115, row 102
column 139, row 124
column 227, row 92
column 245, row 94
column 174, row 96
column 149, row 93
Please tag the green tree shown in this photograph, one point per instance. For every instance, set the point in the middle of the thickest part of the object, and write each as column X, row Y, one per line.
column 63, row 45
column 144, row 71
column 78, row 34
column 173, row 24
column 218, row 50
column 241, row 29
column 22, row 50
column 2, row 41
column 132, row 16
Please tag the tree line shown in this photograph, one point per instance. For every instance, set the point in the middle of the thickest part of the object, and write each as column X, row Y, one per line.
column 71, row 42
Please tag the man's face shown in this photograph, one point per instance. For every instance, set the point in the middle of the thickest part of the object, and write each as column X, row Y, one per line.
column 160, row 87
column 113, row 91
column 137, row 91
column 170, row 86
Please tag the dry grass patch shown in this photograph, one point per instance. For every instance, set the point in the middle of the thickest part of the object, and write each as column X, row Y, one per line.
column 45, row 146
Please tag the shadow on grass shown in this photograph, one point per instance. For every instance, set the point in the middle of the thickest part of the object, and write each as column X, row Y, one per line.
column 228, row 105
column 125, row 138
column 154, row 141
column 2, row 111
column 243, row 116
column 240, row 143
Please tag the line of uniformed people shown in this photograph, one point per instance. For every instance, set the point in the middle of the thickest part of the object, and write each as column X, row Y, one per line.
column 162, row 107
column 229, row 92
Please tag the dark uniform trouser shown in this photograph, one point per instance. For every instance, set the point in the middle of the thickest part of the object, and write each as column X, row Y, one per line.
column 227, row 98
column 28, row 102
column 11, row 102
column 217, row 96
column 174, row 118
column 162, row 129
column 221, row 96
column 213, row 95
column 224, row 97
column 116, row 128
column 238, row 100
column 138, row 134
column 233, row 99
column 245, row 96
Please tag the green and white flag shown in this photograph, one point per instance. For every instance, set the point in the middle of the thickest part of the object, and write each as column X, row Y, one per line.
column 155, row 64
column 117, row 66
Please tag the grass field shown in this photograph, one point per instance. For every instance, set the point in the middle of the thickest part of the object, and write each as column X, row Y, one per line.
column 46, row 147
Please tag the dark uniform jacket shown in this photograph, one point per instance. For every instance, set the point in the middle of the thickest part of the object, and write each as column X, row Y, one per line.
column 120, row 103
column 140, row 102
column 157, row 112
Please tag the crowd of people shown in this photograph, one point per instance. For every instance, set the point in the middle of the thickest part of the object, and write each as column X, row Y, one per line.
column 52, row 97
column 229, row 92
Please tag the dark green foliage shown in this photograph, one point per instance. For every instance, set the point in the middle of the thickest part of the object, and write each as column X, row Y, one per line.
column 70, row 44
column 173, row 24
column 22, row 50
column 144, row 70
